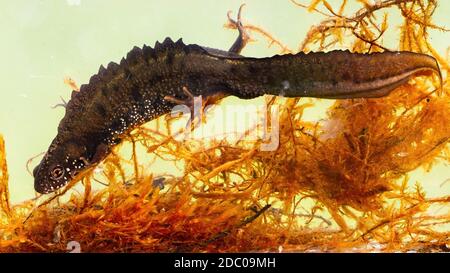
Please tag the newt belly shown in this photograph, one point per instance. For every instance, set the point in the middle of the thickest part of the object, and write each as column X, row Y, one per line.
column 123, row 96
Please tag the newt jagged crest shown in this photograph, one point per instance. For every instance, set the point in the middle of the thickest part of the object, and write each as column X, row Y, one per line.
column 126, row 95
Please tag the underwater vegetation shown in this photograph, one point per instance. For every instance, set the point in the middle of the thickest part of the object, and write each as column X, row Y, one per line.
column 340, row 184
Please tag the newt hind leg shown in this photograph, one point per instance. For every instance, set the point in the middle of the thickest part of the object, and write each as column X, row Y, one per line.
column 244, row 36
column 197, row 115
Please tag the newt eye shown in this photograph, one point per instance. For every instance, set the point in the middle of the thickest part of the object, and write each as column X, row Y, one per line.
column 57, row 172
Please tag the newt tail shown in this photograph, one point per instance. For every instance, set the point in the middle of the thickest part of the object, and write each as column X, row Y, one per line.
column 123, row 96
column 332, row 75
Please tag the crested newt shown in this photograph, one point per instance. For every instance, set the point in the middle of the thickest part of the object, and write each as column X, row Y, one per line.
column 149, row 82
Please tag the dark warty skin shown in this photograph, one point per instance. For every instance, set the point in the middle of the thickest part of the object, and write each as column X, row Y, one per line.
column 123, row 96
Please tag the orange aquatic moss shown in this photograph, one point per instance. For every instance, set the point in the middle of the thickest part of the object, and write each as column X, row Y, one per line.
column 341, row 184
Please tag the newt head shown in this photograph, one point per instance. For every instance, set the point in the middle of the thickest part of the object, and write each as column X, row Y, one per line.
column 62, row 162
